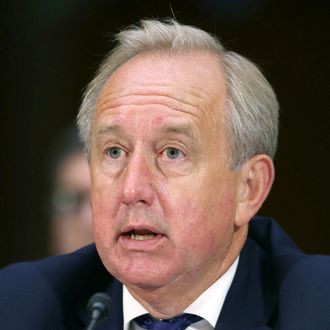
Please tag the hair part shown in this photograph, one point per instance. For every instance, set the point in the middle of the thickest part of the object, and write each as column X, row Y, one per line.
column 251, row 106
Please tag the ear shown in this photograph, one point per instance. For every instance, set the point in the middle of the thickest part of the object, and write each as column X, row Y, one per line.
column 255, row 180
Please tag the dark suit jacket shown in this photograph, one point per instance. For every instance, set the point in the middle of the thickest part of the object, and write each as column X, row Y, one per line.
column 276, row 286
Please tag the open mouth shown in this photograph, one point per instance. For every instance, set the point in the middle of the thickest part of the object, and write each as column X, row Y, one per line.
column 140, row 235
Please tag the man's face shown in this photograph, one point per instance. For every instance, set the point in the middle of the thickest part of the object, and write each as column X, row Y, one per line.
column 71, row 220
column 163, row 197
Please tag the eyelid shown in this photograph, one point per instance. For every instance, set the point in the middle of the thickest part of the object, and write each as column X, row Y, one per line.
column 183, row 152
column 107, row 149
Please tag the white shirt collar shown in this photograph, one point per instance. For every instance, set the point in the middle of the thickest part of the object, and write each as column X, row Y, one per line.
column 208, row 305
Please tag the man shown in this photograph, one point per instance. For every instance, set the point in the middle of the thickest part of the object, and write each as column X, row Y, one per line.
column 180, row 135
column 70, row 217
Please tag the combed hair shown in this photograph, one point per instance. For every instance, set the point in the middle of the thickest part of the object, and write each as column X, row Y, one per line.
column 251, row 112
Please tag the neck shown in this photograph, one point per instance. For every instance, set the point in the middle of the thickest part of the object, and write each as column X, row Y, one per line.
column 176, row 297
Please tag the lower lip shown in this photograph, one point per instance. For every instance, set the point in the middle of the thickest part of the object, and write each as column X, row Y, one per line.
column 141, row 245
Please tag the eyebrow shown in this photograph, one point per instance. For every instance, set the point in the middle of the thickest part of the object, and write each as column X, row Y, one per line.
column 106, row 129
column 182, row 129
column 179, row 129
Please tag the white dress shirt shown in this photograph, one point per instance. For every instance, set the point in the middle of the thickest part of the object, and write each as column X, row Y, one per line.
column 208, row 305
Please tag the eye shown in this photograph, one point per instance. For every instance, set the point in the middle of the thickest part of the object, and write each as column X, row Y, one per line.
column 114, row 152
column 173, row 153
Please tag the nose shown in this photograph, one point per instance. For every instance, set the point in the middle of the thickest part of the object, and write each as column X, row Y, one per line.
column 138, row 185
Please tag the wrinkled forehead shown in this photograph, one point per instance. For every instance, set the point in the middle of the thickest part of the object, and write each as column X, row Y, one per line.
column 167, row 89
column 185, row 88
column 196, row 73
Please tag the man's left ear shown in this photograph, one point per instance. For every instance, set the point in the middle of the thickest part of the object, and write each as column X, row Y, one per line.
column 256, row 179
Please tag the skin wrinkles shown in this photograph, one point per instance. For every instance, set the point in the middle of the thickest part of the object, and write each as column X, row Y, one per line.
column 166, row 96
column 183, row 129
column 170, row 87
column 197, row 113
column 165, row 90
column 180, row 136
column 193, row 209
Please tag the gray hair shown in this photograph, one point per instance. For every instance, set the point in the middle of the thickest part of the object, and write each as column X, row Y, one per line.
column 251, row 113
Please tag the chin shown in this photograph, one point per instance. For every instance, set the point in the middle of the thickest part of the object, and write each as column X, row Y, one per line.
column 144, row 278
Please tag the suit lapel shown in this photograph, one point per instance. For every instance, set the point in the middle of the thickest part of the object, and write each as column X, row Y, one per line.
column 95, row 279
column 251, row 299
column 115, row 318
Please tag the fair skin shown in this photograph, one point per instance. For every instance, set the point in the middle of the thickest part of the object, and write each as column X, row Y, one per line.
column 169, row 215
column 71, row 230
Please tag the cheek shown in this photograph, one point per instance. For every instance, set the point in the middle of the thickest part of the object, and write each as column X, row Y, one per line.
column 102, row 214
column 204, row 221
column 104, row 196
column 209, row 207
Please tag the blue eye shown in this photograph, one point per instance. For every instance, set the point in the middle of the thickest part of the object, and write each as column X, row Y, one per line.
column 114, row 152
column 173, row 153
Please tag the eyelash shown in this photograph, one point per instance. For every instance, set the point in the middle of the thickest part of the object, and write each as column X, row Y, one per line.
column 169, row 151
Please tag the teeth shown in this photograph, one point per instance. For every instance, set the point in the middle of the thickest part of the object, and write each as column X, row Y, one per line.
column 141, row 237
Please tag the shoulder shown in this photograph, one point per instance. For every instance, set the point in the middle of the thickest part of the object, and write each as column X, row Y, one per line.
column 23, row 292
column 40, row 291
column 304, row 294
column 312, row 274
column 51, row 271
column 302, row 280
column 289, row 262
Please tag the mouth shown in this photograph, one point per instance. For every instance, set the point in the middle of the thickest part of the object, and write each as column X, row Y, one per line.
column 141, row 238
column 140, row 234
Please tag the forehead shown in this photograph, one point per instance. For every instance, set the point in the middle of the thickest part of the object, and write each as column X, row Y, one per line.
column 199, row 73
column 180, row 84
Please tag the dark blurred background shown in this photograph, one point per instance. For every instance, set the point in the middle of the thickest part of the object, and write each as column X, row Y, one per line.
column 50, row 49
